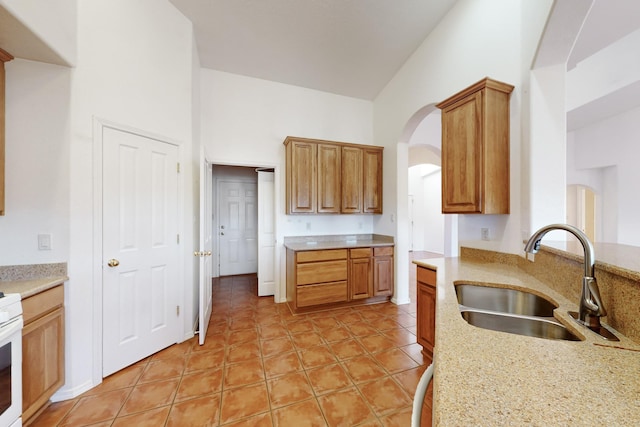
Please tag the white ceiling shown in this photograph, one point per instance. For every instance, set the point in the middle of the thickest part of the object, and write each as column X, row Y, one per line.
column 21, row 42
column 608, row 21
column 347, row 47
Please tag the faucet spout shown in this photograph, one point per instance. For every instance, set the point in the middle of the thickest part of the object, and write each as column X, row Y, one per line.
column 591, row 306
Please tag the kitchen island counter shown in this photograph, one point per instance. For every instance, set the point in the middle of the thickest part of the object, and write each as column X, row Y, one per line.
column 490, row 378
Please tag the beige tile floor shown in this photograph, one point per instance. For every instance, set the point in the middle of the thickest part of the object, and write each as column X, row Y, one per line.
column 262, row 366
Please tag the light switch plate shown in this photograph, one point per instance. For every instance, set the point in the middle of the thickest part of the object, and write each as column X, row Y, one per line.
column 44, row 242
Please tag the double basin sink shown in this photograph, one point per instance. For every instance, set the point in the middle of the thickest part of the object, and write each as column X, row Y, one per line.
column 510, row 310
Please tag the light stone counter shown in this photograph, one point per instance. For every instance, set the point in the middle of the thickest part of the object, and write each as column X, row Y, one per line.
column 316, row 243
column 27, row 288
column 31, row 279
column 489, row 378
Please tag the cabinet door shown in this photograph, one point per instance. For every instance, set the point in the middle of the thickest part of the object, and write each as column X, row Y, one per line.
column 426, row 302
column 360, row 278
column 462, row 156
column 383, row 275
column 301, row 177
column 351, row 180
column 426, row 309
column 42, row 361
column 329, row 178
column 372, row 181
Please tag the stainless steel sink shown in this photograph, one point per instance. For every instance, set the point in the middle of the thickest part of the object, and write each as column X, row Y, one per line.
column 515, row 324
column 510, row 310
column 503, row 300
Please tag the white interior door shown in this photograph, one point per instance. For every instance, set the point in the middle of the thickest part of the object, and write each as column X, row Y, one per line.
column 266, row 234
column 238, row 225
column 140, row 248
column 205, row 297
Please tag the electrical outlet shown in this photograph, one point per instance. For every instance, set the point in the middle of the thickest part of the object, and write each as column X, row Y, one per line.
column 484, row 233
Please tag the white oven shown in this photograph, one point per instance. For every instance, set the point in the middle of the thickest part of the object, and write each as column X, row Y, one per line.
column 10, row 361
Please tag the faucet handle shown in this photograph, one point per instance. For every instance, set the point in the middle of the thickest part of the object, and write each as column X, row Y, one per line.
column 594, row 292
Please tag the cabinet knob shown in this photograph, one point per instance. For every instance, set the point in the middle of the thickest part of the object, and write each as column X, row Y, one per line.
column 113, row 263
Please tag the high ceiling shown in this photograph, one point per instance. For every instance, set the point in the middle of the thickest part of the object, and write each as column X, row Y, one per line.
column 347, row 47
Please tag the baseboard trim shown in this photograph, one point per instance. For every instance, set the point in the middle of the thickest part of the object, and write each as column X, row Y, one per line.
column 70, row 393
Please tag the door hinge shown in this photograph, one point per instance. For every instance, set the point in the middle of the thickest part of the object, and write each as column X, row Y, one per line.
column 178, row 167
column 178, row 310
column 177, row 238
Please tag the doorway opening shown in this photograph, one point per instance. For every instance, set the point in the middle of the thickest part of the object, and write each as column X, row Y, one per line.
column 581, row 209
column 243, row 224
column 422, row 231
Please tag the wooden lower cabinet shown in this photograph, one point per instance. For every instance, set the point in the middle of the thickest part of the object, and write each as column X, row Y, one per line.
column 426, row 309
column 322, row 279
column 426, row 329
column 321, row 293
column 383, row 271
column 360, row 273
column 42, row 349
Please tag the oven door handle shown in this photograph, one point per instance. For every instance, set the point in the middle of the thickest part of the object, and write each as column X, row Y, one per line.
column 8, row 329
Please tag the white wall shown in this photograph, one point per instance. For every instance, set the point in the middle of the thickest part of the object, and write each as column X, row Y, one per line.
column 477, row 38
column 612, row 144
column 134, row 68
column 602, row 148
column 245, row 120
column 546, row 157
column 38, row 100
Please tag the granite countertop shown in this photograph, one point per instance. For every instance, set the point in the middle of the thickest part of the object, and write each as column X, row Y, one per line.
column 491, row 378
column 29, row 287
column 31, row 279
column 313, row 243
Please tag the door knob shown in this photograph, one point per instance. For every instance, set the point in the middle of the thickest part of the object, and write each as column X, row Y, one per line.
column 208, row 253
column 113, row 263
column 222, row 233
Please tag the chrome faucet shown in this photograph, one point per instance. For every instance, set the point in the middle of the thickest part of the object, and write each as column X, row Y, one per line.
column 591, row 307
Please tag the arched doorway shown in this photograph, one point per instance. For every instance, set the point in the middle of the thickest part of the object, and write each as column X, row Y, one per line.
column 422, row 129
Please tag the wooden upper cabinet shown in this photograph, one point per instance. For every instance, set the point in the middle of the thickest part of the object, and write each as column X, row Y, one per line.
column 372, row 181
column 475, row 149
column 328, row 176
column 301, row 177
column 332, row 177
column 351, row 180
column 4, row 57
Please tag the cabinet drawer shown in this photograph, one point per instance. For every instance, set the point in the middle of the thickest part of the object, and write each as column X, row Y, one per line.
column 383, row 251
column 320, row 272
column 311, row 256
column 427, row 276
column 360, row 253
column 324, row 293
column 40, row 304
